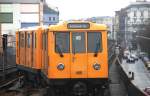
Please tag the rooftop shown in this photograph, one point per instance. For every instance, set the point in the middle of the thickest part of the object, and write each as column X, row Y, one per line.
column 50, row 9
column 139, row 3
column 19, row 1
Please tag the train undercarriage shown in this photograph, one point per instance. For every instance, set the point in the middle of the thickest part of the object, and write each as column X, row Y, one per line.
column 79, row 87
column 66, row 87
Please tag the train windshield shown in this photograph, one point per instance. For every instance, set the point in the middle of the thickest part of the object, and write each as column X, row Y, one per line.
column 94, row 42
column 78, row 42
column 62, row 40
column 62, row 44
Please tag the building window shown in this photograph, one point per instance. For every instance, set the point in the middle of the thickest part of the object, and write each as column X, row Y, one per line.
column 6, row 8
column 134, row 13
column 49, row 18
column 149, row 13
column 6, row 17
column 53, row 18
column 142, row 20
column 142, row 13
column 134, row 20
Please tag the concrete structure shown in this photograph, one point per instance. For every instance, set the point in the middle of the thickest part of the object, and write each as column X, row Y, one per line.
column 141, row 77
column 131, row 17
column 24, row 13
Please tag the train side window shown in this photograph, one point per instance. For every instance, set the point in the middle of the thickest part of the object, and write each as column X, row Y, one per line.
column 35, row 40
column 28, row 40
column 94, row 42
column 32, row 39
column 43, row 41
column 22, row 40
column 19, row 39
column 46, row 41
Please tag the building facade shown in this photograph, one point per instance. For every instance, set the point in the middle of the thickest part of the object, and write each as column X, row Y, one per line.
column 25, row 13
column 131, row 18
column 119, row 24
column 51, row 15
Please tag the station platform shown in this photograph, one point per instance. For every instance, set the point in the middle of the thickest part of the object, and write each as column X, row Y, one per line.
column 141, row 74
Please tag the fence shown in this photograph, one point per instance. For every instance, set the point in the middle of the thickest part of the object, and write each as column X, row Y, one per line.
column 7, row 53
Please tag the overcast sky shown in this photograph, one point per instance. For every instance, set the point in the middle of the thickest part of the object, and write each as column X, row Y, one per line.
column 74, row 9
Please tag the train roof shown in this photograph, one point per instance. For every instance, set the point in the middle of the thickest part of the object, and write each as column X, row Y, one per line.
column 64, row 26
column 32, row 28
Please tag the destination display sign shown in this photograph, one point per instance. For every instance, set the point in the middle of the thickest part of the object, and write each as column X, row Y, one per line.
column 78, row 25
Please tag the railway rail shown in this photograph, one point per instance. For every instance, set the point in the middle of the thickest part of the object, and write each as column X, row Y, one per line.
column 9, row 81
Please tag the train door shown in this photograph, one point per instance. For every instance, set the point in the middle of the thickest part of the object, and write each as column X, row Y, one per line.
column 27, row 48
column 45, row 52
column 17, row 47
column 79, row 55
column 32, row 49
column 95, row 57
column 59, row 54
column 22, row 48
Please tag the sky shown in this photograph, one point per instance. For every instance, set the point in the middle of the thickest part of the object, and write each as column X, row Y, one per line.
column 76, row 9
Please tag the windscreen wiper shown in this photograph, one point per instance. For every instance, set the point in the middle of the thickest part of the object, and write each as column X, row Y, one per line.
column 74, row 49
column 59, row 50
column 97, row 47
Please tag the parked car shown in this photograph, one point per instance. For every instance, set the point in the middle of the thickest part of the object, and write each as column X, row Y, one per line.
column 142, row 54
column 147, row 91
column 134, row 56
column 148, row 65
column 146, row 61
column 130, row 59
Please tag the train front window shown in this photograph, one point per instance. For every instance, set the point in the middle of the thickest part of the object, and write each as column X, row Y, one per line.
column 62, row 42
column 94, row 42
column 78, row 42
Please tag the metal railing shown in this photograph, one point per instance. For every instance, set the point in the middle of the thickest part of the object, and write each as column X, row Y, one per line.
column 7, row 53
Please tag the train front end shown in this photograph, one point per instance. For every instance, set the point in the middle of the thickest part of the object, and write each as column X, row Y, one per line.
column 78, row 61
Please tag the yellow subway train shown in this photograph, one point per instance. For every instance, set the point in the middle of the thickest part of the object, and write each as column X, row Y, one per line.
column 70, row 57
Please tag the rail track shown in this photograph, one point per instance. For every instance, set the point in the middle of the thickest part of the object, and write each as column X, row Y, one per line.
column 14, row 86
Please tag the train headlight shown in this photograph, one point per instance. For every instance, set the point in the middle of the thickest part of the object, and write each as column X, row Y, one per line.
column 61, row 66
column 97, row 66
